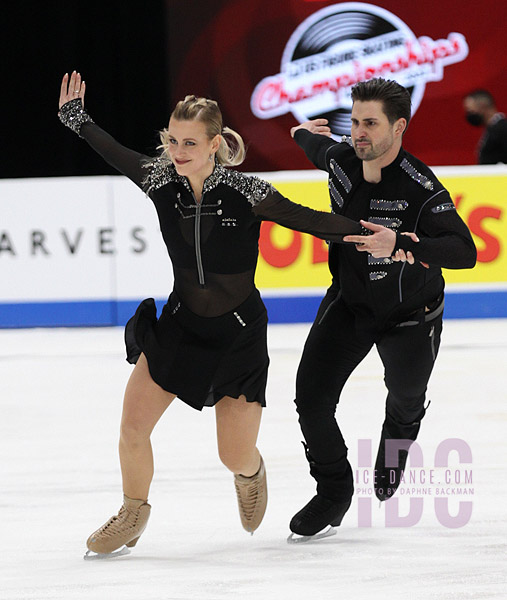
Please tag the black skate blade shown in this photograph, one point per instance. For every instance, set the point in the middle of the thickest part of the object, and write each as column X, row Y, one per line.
column 90, row 555
column 295, row 538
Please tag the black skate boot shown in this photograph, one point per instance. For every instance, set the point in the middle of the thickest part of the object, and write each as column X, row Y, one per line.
column 388, row 476
column 318, row 514
column 334, row 495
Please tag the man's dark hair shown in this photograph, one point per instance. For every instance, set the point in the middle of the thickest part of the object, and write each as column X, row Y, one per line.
column 482, row 96
column 395, row 98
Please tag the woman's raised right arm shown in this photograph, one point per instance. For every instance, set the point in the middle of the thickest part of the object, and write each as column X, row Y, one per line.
column 72, row 114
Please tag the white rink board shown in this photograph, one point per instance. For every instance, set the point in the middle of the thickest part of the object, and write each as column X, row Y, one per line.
column 143, row 267
column 54, row 234
column 79, row 238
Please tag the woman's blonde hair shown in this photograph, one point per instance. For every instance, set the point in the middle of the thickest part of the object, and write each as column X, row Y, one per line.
column 231, row 151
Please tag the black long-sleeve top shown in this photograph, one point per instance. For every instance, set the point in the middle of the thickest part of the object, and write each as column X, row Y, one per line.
column 213, row 243
column 409, row 198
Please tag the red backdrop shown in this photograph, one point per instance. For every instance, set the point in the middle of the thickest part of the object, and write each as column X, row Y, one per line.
column 222, row 49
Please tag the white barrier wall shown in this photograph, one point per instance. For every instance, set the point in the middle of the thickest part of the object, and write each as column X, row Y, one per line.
column 76, row 246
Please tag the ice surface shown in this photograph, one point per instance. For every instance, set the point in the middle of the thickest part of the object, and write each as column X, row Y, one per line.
column 60, row 398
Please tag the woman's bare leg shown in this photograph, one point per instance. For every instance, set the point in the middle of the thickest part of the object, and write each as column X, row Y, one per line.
column 144, row 404
column 237, row 428
column 238, row 424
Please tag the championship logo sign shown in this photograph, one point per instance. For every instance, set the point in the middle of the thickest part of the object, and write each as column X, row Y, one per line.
column 342, row 44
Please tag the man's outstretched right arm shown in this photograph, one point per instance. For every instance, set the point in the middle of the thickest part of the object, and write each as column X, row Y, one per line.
column 314, row 137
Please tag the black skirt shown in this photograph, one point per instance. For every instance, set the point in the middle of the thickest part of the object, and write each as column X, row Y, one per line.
column 203, row 359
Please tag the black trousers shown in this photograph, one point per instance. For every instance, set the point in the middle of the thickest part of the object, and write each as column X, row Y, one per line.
column 334, row 348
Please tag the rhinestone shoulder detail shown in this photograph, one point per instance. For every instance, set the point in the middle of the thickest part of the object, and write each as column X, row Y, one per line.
column 253, row 188
column 160, row 172
column 73, row 115
column 421, row 179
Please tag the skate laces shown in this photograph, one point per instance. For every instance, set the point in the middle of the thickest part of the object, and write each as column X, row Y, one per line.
column 247, row 490
column 125, row 519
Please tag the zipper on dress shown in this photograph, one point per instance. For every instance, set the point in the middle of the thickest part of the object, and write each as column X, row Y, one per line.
column 197, row 238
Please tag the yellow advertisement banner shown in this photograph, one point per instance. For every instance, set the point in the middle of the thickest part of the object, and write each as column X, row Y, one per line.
column 289, row 259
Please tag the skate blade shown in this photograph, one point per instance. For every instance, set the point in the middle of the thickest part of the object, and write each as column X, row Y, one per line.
column 295, row 538
column 90, row 555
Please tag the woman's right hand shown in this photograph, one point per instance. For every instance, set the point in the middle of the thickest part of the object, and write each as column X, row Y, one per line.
column 71, row 89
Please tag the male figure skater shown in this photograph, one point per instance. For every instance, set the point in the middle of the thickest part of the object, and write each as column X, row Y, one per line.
column 387, row 290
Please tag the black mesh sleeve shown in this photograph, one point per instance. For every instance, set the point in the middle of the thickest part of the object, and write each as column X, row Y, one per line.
column 126, row 161
column 326, row 226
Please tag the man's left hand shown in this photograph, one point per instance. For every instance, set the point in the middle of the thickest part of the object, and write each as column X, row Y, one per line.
column 379, row 245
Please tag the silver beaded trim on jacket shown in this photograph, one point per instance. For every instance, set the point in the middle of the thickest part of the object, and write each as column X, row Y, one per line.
column 378, row 204
column 73, row 115
column 341, row 175
column 180, row 206
column 379, row 261
column 416, row 176
column 335, row 194
column 347, row 140
column 377, row 275
column 392, row 222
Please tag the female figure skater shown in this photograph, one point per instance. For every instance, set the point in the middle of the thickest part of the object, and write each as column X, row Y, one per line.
column 209, row 345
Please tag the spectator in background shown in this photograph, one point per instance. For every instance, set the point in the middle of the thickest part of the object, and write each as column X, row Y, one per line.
column 481, row 111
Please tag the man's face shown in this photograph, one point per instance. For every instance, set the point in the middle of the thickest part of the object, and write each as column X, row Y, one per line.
column 474, row 111
column 372, row 134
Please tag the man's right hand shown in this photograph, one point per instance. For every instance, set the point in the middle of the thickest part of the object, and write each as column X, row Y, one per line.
column 319, row 126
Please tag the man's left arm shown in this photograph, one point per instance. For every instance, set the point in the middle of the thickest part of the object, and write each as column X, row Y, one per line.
column 444, row 239
column 441, row 239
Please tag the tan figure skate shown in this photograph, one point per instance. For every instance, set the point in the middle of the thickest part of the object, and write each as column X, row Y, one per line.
column 121, row 532
column 252, row 493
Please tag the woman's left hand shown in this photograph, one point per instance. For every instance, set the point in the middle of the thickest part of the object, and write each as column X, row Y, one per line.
column 402, row 256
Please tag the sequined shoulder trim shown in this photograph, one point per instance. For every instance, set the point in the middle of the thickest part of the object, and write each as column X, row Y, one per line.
column 421, row 179
column 253, row 188
column 347, row 140
column 160, row 172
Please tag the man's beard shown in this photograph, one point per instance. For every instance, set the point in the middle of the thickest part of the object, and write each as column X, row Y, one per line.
column 372, row 152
